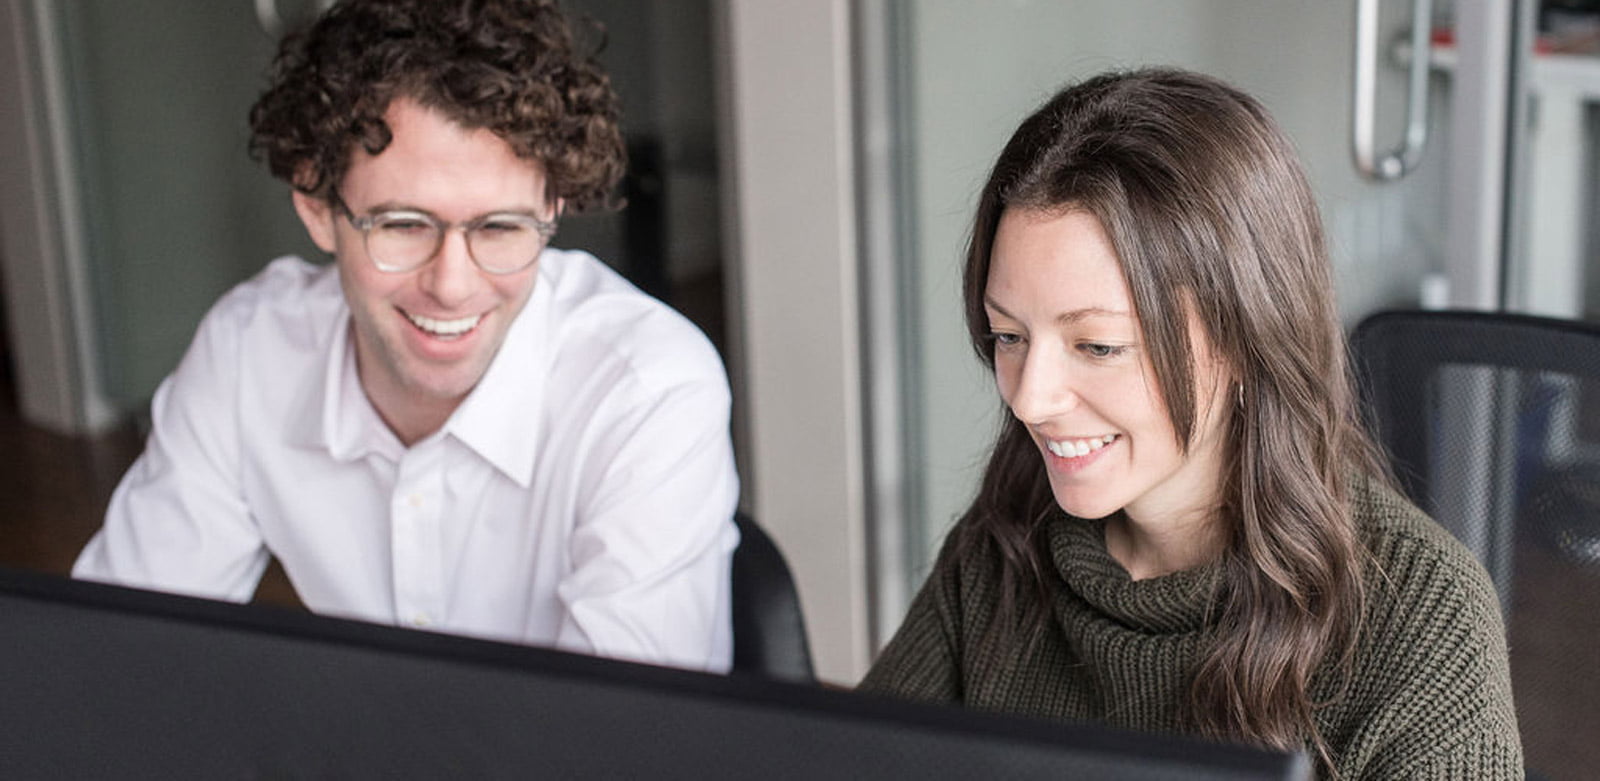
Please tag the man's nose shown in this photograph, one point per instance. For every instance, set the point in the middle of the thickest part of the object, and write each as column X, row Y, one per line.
column 451, row 277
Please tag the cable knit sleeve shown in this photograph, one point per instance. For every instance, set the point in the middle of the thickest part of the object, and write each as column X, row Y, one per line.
column 1436, row 684
column 923, row 660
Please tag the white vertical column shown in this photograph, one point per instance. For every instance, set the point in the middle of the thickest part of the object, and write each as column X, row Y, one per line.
column 1484, row 117
column 1549, row 272
column 43, row 257
column 789, row 159
column 1478, row 157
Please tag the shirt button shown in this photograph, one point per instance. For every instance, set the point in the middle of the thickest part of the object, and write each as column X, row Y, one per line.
column 415, row 500
column 421, row 620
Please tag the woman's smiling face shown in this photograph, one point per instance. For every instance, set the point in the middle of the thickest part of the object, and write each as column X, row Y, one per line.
column 1070, row 362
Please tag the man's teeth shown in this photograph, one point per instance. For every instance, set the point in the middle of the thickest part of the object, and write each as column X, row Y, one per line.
column 1073, row 448
column 444, row 327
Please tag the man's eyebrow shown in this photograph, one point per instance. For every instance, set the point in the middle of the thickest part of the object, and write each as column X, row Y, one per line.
column 1065, row 318
column 398, row 206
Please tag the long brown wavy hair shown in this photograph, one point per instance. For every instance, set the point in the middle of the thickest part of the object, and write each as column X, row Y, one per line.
column 513, row 67
column 1209, row 212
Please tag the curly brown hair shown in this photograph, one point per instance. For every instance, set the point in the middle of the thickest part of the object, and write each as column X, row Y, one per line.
column 510, row 66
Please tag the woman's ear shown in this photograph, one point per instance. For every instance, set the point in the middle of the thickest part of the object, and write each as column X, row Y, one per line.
column 318, row 217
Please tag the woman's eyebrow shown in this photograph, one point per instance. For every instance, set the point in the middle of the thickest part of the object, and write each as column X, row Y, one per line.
column 1065, row 318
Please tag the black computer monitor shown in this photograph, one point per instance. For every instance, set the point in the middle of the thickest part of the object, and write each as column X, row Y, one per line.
column 101, row 681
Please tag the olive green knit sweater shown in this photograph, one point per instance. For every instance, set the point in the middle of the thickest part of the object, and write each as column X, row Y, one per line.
column 1430, row 695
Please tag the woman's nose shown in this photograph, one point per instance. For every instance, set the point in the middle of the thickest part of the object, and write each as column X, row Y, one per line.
column 1043, row 388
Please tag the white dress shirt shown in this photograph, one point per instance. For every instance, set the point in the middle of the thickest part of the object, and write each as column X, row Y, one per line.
column 580, row 497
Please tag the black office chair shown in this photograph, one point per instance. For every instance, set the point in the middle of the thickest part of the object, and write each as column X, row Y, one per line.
column 1492, row 423
column 769, row 631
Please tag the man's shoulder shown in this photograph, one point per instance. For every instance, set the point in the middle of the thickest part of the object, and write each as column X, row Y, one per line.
column 288, row 286
column 599, row 317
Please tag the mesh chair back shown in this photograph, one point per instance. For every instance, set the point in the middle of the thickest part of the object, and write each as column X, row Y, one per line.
column 1492, row 423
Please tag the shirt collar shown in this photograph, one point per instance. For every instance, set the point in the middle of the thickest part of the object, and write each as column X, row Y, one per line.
column 500, row 419
column 334, row 413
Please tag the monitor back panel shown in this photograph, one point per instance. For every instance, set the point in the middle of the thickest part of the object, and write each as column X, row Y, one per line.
column 97, row 681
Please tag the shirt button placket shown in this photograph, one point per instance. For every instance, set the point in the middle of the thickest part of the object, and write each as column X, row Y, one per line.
column 415, row 574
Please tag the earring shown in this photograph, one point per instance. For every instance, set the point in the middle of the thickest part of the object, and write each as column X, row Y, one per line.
column 1241, row 395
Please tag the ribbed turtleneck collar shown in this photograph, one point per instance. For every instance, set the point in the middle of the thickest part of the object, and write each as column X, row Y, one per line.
column 1168, row 604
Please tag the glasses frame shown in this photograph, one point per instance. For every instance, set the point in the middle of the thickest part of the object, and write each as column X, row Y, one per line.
column 364, row 223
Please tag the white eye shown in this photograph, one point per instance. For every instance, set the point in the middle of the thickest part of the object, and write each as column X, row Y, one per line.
column 403, row 224
column 1097, row 350
column 501, row 226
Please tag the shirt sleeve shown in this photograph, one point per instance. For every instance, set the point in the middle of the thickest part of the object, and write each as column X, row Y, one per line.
column 651, row 550
column 923, row 661
column 177, row 521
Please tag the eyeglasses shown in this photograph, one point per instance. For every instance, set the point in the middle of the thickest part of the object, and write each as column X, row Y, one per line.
column 405, row 239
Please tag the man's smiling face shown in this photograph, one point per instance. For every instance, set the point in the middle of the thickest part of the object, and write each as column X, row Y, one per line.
column 425, row 337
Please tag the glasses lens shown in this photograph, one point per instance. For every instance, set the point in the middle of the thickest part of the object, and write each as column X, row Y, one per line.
column 400, row 242
column 505, row 243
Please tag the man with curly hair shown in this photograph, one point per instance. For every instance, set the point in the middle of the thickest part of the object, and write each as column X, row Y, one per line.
column 453, row 425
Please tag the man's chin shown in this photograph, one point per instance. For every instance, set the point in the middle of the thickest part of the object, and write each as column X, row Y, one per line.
column 433, row 384
column 443, row 391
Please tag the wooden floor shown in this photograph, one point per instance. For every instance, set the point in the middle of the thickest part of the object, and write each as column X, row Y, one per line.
column 53, row 489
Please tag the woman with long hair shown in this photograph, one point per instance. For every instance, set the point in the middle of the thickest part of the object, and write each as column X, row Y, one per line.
column 1184, row 526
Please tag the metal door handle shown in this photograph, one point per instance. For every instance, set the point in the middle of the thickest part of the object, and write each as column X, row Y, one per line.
column 1399, row 162
column 267, row 17
column 272, row 22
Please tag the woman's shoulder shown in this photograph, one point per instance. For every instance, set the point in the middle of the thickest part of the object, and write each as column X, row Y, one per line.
column 969, row 573
column 969, row 552
column 1432, row 662
column 1408, row 545
column 1428, row 598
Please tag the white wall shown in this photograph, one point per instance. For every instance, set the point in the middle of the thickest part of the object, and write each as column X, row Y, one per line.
column 789, row 150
